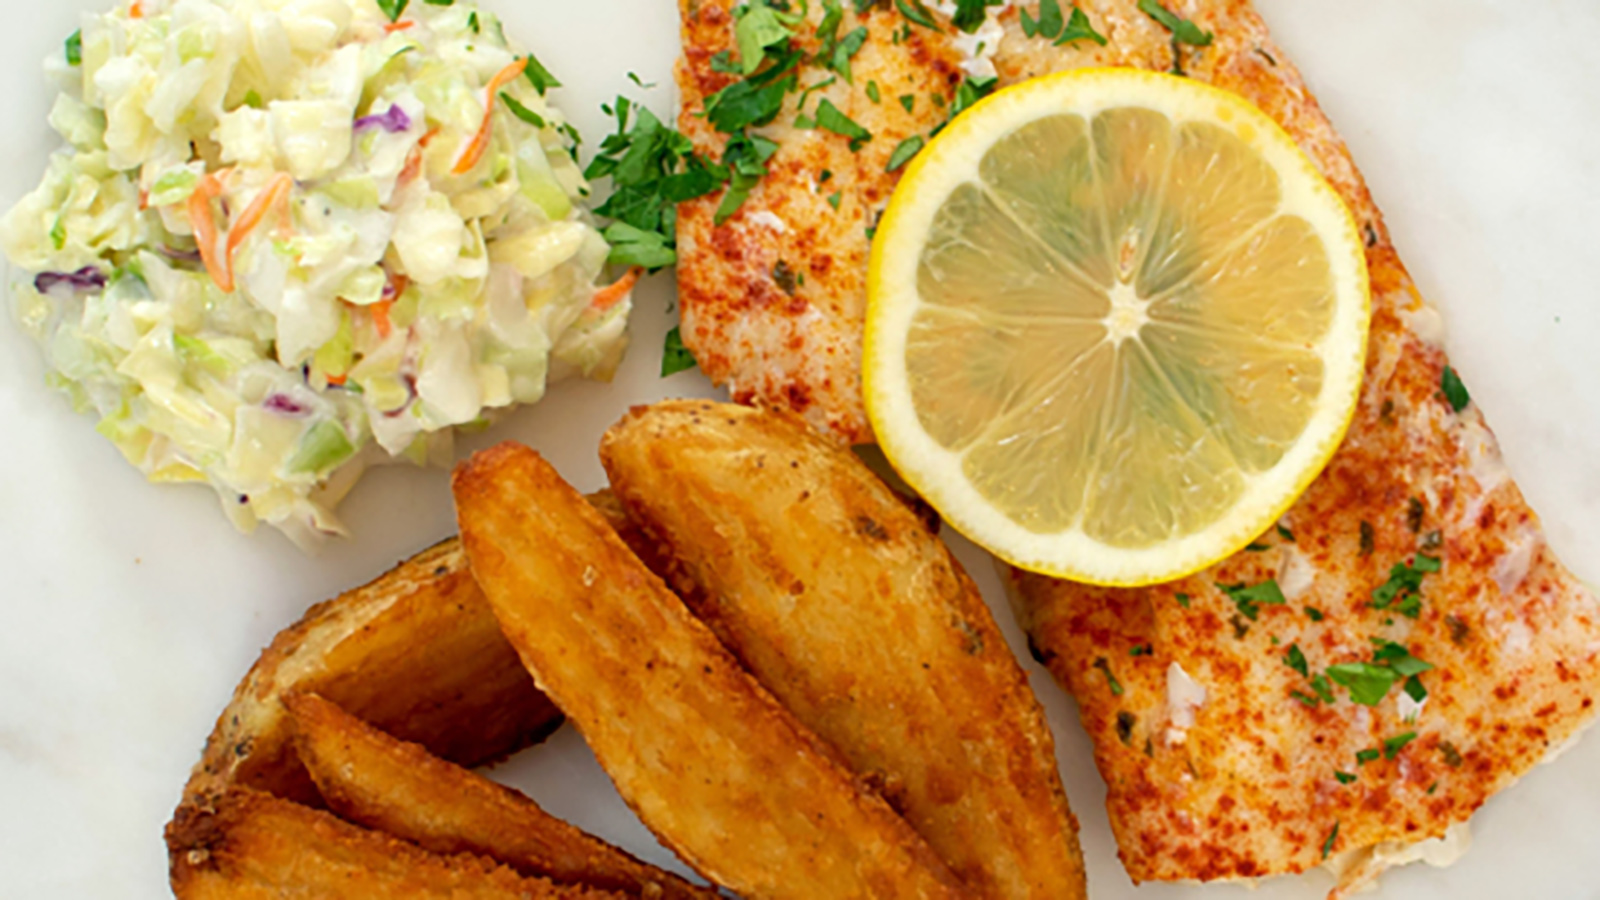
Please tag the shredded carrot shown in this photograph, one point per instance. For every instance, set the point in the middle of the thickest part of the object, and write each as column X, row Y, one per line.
column 276, row 192
column 144, row 199
column 136, row 10
column 205, row 231
column 480, row 141
column 612, row 294
column 413, row 166
column 392, row 27
column 337, row 380
column 380, row 317
column 427, row 138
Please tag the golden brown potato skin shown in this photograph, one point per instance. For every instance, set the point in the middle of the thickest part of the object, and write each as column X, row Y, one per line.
column 398, row 788
column 417, row 652
column 708, row 759
column 856, row 617
column 254, row 846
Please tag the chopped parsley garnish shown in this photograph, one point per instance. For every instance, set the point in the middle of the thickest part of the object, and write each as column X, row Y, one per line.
column 723, row 62
column 745, row 160
column 837, row 52
column 1454, row 391
column 1305, row 698
column 74, row 48
column 872, row 92
column 633, row 77
column 1251, row 599
column 539, row 76
column 1314, row 614
column 834, row 198
column 394, row 9
column 970, row 91
column 1125, row 723
column 1296, row 660
column 1452, row 756
column 1368, row 684
column 1141, row 650
column 758, row 26
column 914, row 11
column 970, row 14
column 1258, row 547
column 831, row 119
column 1458, row 629
column 1368, row 539
column 909, row 101
column 903, row 153
column 1286, row 534
column 1345, row 777
column 1183, row 30
column 472, row 22
column 1319, row 683
column 1183, row 600
column 1327, row 845
column 675, row 357
column 1052, row 27
column 1393, row 746
column 1403, row 589
column 522, row 112
column 753, row 102
column 652, row 169
column 1365, row 756
column 1111, row 680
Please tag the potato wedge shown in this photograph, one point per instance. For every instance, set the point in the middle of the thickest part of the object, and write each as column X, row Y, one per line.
column 710, row 762
column 399, row 788
column 254, row 846
column 417, row 652
column 845, row 606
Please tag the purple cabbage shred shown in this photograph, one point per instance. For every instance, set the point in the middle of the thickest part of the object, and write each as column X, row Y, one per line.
column 392, row 120
column 285, row 405
column 87, row 278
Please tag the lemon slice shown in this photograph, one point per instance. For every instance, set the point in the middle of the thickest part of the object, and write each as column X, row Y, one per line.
column 1117, row 324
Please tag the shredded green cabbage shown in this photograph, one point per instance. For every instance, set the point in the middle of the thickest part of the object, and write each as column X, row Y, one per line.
column 382, row 304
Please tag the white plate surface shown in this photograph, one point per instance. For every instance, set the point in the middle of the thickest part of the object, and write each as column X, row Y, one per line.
column 129, row 611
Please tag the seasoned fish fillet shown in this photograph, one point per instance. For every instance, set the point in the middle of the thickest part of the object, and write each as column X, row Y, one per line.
column 1215, row 768
column 844, row 605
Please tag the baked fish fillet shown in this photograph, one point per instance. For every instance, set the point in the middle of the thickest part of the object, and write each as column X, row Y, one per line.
column 1214, row 768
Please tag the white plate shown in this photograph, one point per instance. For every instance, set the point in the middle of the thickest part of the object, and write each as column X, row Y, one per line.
column 129, row 611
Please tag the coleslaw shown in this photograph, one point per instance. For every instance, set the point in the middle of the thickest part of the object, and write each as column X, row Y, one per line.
column 288, row 239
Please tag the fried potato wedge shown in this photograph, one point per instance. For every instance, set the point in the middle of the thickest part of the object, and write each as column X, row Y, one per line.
column 399, row 788
column 707, row 758
column 845, row 606
column 417, row 653
column 253, row 846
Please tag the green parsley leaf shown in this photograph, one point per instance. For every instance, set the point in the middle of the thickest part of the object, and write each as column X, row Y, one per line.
column 394, row 9
column 914, row 11
column 1319, row 683
column 904, row 152
column 821, row 85
column 1368, row 684
column 909, row 101
column 632, row 246
column 1345, row 777
column 829, row 118
column 440, row 2
column 522, row 112
column 1305, row 698
column 745, row 159
column 1286, row 534
column 1141, row 650
column 1182, row 29
column 1049, row 23
column 970, row 14
column 1415, row 690
column 758, row 27
column 970, row 91
column 74, row 48
column 1327, row 845
column 58, row 233
column 1079, row 29
column 1183, row 600
column 1314, row 614
column 675, row 357
column 753, row 102
column 1111, row 680
column 1296, row 660
column 1365, row 756
column 1454, row 390
column 1405, row 585
column 1452, row 756
column 539, row 76
column 472, row 22
column 1398, row 658
column 1393, row 746
column 1251, row 599
column 723, row 62
column 872, row 92
column 834, row 198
